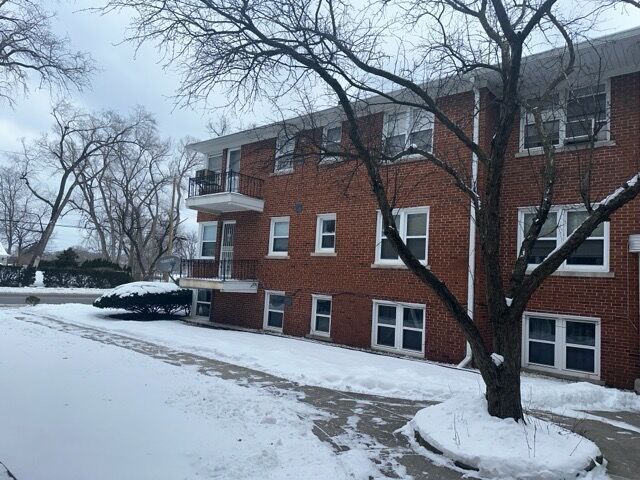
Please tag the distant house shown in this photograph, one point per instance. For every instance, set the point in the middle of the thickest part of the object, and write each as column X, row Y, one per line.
column 4, row 256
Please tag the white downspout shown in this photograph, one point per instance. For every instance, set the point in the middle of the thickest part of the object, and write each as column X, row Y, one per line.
column 472, row 221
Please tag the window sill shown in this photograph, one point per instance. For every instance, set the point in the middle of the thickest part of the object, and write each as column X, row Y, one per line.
column 324, row 254
column 579, row 273
column 398, row 351
column 394, row 266
column 562, row 374
column 533, row 152
column 416, row 157
column 277, row 257
column 318, row 337
column 281, row 173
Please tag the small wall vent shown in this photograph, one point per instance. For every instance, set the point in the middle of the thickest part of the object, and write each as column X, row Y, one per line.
column 634, row 243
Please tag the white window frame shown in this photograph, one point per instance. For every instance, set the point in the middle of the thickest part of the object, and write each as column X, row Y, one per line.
column 314, row 306
column 201, row 226
column 562, row 235
column 272, row 236
column 324, row 157
column 216, row 156
column 402, row 227
column 398, row 327
column 319, row 234
column 265, row 319
column 560, row 114
column 283, row 161
column 407, row 128
column 560, row 345
column 194, row 306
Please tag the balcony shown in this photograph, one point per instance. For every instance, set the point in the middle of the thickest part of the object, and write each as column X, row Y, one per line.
column 224, row 192
column 231, row 276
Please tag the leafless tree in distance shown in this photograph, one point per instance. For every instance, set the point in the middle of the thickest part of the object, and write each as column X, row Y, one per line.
column 405, row 53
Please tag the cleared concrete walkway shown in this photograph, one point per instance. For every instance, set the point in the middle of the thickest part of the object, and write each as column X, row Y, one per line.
column 369, row 421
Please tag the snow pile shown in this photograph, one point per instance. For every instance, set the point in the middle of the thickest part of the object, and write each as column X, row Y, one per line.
column 497, row 359
column 464, row 432
column 140, row 288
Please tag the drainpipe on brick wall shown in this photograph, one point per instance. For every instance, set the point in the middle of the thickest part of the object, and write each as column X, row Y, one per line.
column 472, row 222
column 634, row 247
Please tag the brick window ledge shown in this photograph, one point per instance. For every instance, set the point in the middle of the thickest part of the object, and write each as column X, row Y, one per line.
column 536, row 151
column 393, row 266
column 576, row 273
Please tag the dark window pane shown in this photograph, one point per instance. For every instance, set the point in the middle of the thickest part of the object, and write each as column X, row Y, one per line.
column 394, row 145
column 580, row 359
column 387, row 314
column 575, row 219
column 322, row 324
column 202, row 309
column 386, row 336
column 551, row 128
column 417, row 224
column 280, row 244
column 412, row 317
column 418, row 247
column 540, row 250
column 328, row 226
column 275, row 319
column 591, row 252
column 328, row 241
column 323, row 307
column 542, row 353
column 281, row 229
column 204, row 295
column 422, row 140
column 412, row 340
column 542, row 329
column 581, row 333
column 208, row 249
column 387, row 251
column 549, row 228
column 276, row 302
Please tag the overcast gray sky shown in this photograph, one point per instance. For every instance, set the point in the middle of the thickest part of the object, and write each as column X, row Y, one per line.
column 127, row 79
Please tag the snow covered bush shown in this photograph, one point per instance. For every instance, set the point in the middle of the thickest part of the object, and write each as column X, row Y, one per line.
column 82, row 278
column 147, row 298
column 16, row 276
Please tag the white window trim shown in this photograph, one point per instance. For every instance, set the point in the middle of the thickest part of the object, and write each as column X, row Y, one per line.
column 201, row 226
column 314, row 300
column 402, row 227
column 271, row 236
column 407, row 129
column 265, row 319
column 398, row 327
column 560, row 345
column 561, row 237
column 324, row 158
column 561, row 116
column 320, row 219
column 195, row 302
column 278, row 155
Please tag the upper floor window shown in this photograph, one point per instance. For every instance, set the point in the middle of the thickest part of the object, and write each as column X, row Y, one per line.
column 285, row 148
column 579, row 116
column 331, row 142
column 413, row 226
column 279, row 237
column 411, row 127
column 326, row 233
column 214, row 162
column 562, row 221
column 208, row 239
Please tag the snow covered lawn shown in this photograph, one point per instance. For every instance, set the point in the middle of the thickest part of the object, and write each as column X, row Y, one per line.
column 72, row 408
column 311, row 363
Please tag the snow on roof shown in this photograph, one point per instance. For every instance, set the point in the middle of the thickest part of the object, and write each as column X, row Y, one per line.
column 3, row 252
column 140, row 288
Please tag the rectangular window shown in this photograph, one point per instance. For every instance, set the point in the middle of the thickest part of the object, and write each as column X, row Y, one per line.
column 413, row 226
column 562, row 221
column 408, row 128
column 326, row 233
column 321, row 315
column 285, row 148
column 202, row 303
column 398, row 327
column 208, row 238
column 274, row 310
column 279, row 237
column 331, row 142
column 562, row 343
column 214, row 162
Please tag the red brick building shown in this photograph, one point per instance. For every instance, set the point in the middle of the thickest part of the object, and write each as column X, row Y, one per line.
column 295, row 246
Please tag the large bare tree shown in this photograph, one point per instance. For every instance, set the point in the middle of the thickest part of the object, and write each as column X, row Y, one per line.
column 29, row 46
column 407, row 53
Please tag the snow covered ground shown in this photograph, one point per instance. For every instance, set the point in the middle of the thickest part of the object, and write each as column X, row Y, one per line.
column 49, row 290
column 312, row 363
column 72, row 408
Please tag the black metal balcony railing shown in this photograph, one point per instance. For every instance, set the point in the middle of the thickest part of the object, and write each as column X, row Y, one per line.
column 218, row 269
column 220, row 182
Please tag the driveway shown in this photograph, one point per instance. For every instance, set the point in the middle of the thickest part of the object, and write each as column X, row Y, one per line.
column 18, row 298
column 363, row 419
